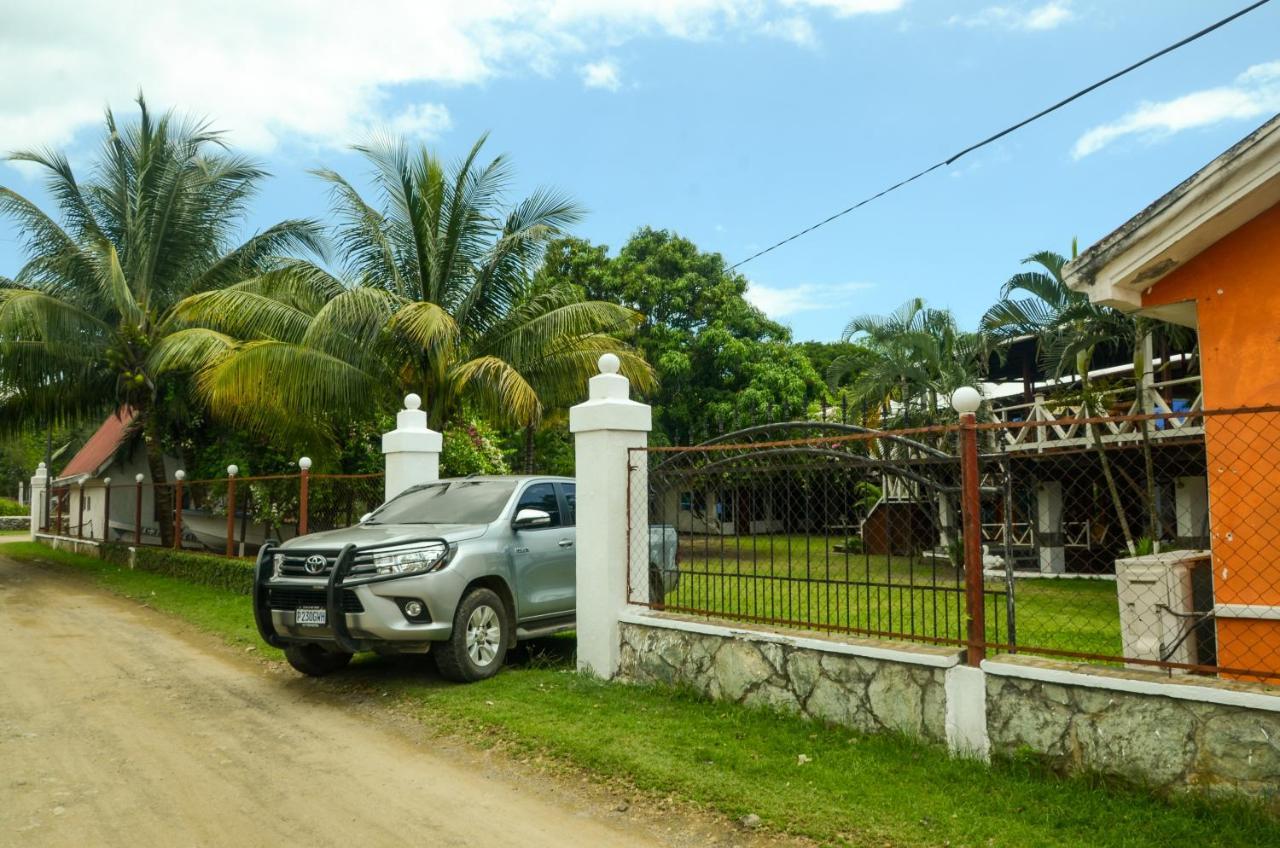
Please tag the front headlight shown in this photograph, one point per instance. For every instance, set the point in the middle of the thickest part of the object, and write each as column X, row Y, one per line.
column 414, row 561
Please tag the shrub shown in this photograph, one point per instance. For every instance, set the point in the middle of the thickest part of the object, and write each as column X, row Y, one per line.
column 230, row 574
column 9, row 506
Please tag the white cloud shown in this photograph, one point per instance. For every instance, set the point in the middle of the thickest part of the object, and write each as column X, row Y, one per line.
column 1255, row 93
column 603, row 74
column 780, row 302
column 1036, row 18
column 320, row 72
column 849, row 8
column 795, row 29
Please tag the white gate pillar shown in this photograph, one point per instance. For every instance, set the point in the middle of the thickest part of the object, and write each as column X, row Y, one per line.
column 1053, row 554
column 611, row 498
column 411, row 450
column 39, row 498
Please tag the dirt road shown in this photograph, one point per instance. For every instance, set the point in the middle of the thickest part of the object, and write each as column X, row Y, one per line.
column 118, row 729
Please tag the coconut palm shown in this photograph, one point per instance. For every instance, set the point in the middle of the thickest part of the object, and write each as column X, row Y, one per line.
column 918, row 354
column 1069, row 328
column 155, row 222
column 435, row 296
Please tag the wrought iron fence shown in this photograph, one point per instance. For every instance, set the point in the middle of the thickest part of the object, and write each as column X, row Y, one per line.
column 1151, row 541
column 231, row 516
column 815, row 525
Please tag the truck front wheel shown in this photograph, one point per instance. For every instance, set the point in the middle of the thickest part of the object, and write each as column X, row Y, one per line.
column 478, row 646
column 315, row 660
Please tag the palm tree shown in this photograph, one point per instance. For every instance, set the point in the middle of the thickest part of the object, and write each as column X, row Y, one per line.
column 82, row 321
column 436, row 297
column 917, row 355
column 1069, row 328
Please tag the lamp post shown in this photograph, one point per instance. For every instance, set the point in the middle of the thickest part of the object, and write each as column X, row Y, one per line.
column 966, row 401
column 304, row 466
column 178, row 477
column 232, row 471
column 137, row 511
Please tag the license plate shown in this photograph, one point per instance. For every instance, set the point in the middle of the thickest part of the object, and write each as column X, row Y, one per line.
column 309, row 617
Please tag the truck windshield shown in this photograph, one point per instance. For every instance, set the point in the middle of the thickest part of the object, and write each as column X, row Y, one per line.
column 450, row 502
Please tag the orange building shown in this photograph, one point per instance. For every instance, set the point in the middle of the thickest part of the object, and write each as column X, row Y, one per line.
column 1207, row 255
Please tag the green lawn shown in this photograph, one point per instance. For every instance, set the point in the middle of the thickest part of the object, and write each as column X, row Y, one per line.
column 805, row 581
column 855, row 790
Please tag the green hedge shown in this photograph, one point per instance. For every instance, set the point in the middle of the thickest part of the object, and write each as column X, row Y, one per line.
column 8, row 506
column 232, row 575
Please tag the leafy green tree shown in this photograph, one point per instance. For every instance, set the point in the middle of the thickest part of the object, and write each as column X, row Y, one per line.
column 720, row 362
column 82, row 322
column 436, row 297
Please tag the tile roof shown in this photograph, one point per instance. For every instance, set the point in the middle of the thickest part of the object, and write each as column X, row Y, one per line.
column 101, row 448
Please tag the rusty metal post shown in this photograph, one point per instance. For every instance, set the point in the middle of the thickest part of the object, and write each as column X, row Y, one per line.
column 106, row 509
column 178, row 477
column 58, row 528
column 231, row 509
column 971, row 521
column 137, row 512
column 80, row 510
column 304, row 466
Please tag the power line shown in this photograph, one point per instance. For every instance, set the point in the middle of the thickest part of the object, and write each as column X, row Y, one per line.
column 1004, row 132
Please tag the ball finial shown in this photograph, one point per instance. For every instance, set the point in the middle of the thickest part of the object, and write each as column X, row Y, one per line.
column 609, row 363
column 305, row 463
column 138, row 478
column 179, row 475
column 412, row 401
column 966, row 399
column 40, row 466
column 106, row 481
column 233, row 470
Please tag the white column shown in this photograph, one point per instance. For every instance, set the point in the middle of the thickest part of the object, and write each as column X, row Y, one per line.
column 1191, row 504
column 39, row 497
column 606, row 427
column 946, row 519
column 1053, row 556
column 411, row 450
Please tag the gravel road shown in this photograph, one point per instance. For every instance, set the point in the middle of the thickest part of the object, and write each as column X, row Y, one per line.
column 118, row 726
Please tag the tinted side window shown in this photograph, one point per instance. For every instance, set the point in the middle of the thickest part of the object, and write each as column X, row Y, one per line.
column 570, row 491
column 541, row 496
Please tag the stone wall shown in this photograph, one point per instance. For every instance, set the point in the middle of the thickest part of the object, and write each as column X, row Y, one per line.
column 1167, row 742
column 1174, row 733
column 15, row 522
column 762, row 669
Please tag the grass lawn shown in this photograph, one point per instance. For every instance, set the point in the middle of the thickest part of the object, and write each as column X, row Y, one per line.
column 856, row 790
column 15, row 532
column 804, row 580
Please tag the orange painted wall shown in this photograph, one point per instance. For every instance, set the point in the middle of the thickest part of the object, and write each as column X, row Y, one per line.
column 1236, row 287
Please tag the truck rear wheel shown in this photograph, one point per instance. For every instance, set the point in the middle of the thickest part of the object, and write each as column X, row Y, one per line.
column 478, row 646
column 315, row 660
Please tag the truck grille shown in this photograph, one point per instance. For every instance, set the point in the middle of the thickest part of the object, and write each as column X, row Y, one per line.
column 291, row 599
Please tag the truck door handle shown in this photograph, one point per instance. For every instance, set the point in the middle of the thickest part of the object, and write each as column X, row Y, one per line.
column 566, row 543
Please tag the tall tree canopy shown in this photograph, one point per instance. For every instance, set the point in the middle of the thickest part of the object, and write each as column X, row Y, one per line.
column 156, row 221
column 720, row 362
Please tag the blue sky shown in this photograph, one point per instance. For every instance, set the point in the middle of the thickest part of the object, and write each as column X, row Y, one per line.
column 733, row 122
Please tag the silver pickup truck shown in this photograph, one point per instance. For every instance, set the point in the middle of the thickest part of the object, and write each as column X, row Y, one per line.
column 462, row 568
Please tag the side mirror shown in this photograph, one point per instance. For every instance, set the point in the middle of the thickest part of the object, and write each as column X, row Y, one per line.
column 366, row 517
column 527, row 518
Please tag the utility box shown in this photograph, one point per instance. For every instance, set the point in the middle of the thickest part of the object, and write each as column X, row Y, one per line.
column 1166, row 604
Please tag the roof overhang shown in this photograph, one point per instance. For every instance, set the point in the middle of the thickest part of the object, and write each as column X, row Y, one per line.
column 1227, row 193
